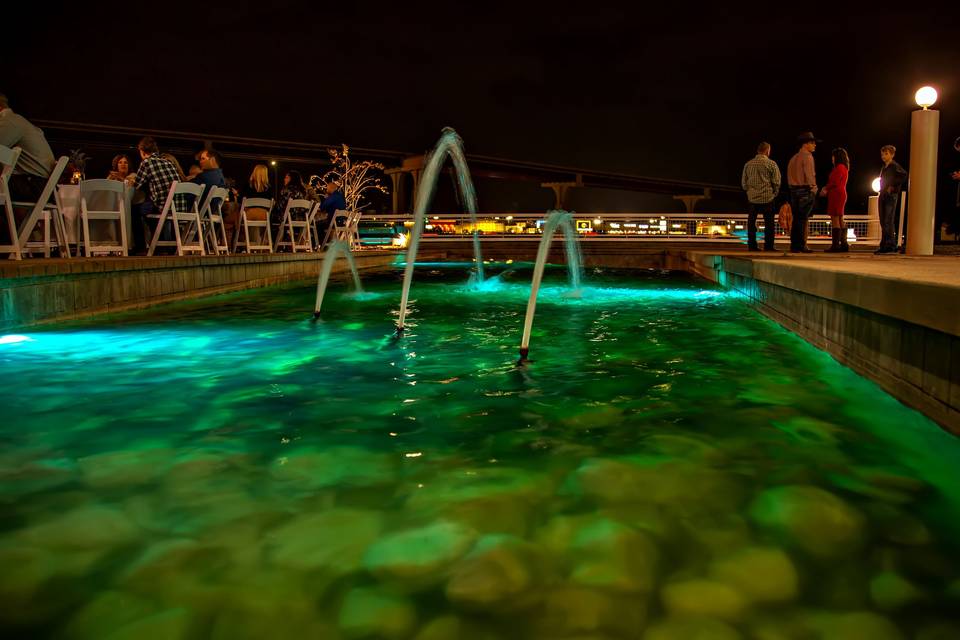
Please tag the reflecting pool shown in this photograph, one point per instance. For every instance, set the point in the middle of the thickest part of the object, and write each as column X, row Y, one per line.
column 669, row 464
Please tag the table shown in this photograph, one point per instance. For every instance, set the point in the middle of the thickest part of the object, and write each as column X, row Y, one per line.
column 69, row 198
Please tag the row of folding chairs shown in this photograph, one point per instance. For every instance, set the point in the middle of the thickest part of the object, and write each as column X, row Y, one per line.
column 199, row 229
column 298, row 229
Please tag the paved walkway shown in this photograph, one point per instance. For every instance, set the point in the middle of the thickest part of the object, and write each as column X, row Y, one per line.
column 937, row 270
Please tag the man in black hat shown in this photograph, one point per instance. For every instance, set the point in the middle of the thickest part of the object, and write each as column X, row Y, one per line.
column 802, row 179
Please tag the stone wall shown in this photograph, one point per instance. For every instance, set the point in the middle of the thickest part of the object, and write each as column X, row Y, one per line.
column 39, row 291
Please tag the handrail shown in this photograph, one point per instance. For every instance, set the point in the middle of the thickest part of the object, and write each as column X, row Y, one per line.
column 138, row 132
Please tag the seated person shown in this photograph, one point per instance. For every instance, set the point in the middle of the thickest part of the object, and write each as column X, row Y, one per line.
column 36, row 158
column 154, row 177
column 333, row 202
column 210, row 174
column 293, row 189
column 120, row 169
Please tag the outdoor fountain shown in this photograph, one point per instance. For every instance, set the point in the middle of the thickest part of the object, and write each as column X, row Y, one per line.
column 337, row 247
column 451, row 145
column 555, row 220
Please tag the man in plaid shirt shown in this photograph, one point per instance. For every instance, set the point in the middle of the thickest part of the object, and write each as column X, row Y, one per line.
column 761, row 181
column 154, row 178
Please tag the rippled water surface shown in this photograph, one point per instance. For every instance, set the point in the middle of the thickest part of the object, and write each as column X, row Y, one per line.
column 670, row 464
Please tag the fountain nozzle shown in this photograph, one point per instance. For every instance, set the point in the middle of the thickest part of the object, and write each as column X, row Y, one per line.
column 399, row 331
column 524, row 352
column 316, row 315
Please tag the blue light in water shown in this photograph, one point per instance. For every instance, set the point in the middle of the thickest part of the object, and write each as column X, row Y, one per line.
column 15, row 339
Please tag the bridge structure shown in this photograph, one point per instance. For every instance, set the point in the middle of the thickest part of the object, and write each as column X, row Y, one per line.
column 403, row 168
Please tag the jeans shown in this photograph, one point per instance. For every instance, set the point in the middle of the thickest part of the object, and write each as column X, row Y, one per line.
column 801, row 201
column 138, row 224
column 140, row 228
column 770, row 227
column 888, row 221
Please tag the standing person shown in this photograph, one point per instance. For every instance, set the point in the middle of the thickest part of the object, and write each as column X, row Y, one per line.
column 761, row 181
column 836, row 192
column 892, row 177
column 154, row 178
column 802, row 178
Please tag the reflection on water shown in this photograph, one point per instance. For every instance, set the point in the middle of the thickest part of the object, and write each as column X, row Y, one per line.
column 671, row 464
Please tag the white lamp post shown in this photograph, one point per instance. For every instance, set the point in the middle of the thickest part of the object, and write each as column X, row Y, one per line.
column 873, row 211
column 921, row 206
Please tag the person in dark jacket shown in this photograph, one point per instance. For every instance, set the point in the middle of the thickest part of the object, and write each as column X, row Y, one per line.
column 333, row 201
column 211, row 175
column 892, row 177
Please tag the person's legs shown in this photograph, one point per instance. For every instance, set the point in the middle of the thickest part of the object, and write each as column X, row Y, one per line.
column 24, row 187
column 795, row 224
column 752, row 227
column 888, row 220
column 138, row 225
column 770, row 227
column 834, row 236
column 802, row 203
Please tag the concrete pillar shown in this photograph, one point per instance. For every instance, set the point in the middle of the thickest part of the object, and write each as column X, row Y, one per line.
column 921, row 207
column 415, row 174
column 873, row 218
column 396, row 181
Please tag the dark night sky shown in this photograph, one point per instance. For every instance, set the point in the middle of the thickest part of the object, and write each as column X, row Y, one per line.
column 668, row 91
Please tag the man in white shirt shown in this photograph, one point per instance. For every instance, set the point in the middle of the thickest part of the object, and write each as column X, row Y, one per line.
column 36, row 158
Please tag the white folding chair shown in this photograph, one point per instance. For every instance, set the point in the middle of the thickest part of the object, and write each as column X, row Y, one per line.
column 47, row 212
column 295, row 224
column 211, row 215
column 347, row 230
column 242, row 237
column 191, row 239
column 103, row 200
column 8, row 161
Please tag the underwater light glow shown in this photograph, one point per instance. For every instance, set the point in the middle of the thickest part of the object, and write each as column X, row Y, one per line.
column 15, row 339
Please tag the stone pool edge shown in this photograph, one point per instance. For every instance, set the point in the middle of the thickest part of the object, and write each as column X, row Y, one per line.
column 38, row 292
column 896, row 332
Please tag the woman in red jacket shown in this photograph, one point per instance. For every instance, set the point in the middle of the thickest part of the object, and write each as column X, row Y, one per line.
column 836, row 192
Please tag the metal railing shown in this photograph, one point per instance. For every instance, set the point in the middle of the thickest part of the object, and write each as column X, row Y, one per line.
column 598, row 227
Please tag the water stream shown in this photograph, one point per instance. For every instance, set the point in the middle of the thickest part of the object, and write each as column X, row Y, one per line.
column 335, row 248
column 450, row 145
column 555, row 220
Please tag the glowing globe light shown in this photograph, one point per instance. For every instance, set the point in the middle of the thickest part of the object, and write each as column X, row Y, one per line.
column 926, row 96
column 875, row 185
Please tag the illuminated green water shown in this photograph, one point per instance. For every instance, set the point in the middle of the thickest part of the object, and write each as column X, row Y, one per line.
column 670, row 463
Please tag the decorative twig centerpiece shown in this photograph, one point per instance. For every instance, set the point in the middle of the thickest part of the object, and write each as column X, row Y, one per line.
column 355, row 178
